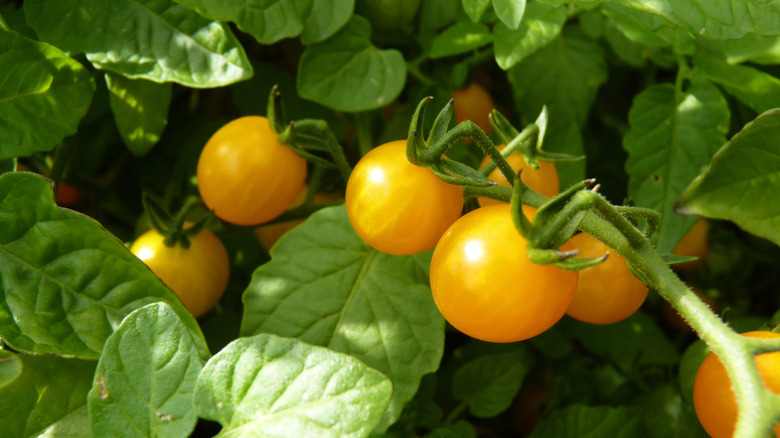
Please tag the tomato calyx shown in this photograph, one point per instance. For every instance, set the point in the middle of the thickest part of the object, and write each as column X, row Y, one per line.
column 173, row 228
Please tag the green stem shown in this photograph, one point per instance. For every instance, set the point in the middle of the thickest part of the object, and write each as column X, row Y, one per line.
column 456, row 412
column 519, row 142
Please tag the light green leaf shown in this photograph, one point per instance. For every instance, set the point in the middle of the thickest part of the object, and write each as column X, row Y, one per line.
column 326, row 287
column 140, row 110
column 10, row 367
column 754, row 88
column 145, row 378
column 740, row 184
column 630, row 52
column 156, row 40
column 347, row 73
column 510, row 12
column 490, row 383
column 668, row 143
column 577, row 421
column 66, row 282
column 752, row 48
column 43, row 95
column 475, row 8
column 459, row 38
column 272, row 20
column 564, row 75
column 48, row 399
column 641, row 27
column 540, row 25
column 265, row 386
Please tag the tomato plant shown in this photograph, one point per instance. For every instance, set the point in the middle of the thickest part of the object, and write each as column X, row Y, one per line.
column 543, row 180
column 694, row 244
column 245, row 175
column 713, row 395
column 473, row 103
column 386, row 209
column 608, row 292
column 485, row 286
column 198, row 274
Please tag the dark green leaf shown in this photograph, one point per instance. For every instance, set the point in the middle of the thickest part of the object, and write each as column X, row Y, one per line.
column 140, row 110
column 461, row 37
column 564, row 75
column 43, row 95
column 740, row 183
column 326, row 287
column 666, row 415
column 67, row 283
column 271, row 21
column 753, row 48
column 475, row 8
column 489, row 383
column 49, row 398
column 642, row 27
column 459, row 429
column 671, row 138
column 540, row 25
column 270, row 386
column 145, row 378
column 510, row 12
column 10, row 367
column 348, row 73
column 754, row 88
column 579, row 421
column 435, row 14
column 156, row 40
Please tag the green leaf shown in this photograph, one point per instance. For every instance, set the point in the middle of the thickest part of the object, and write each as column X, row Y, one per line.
column 49, row 398
column 630, row 52
column 740, row 184
column 669, row 141
column 348, row 73
column 635, row 341
column 145, row 378
column 156, row 40
column 752, row 48
column 510, row 12
column 754, row 88
column 459, row 429
column 475, row 8
column 461, row 37
column 272, row 20
column 326, row 287
column 67, row 283
column 564, row 75
column 641, row 27
column 435, row 14
column 490, row 383
column 270, row 386
column 140, row 110
column 715, row 19
column 43, row 95
column 666, row 415
column 578, row 421
column 540, row 25
column 10, row 367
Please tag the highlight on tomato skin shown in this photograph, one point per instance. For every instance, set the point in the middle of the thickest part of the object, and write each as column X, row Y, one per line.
column 543, row 180
column 485, row 286
column 397, row 207
column 608, row 292
column 713, row 398
column 246, row 176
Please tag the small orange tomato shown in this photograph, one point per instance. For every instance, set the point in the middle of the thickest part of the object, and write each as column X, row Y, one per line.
column 607, row 292
column 694, row 244
column 713, row 398
column 475, row 104
column 543, row 180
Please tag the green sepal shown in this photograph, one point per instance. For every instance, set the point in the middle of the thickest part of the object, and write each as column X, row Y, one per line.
column 522, row 224
column 553, row 157
column 414, row 140
column 549, row 209
column 578, row 264
column 197, row 226
column 313, row 158
column 639, row 275
column 541, row 123
column 459, row 174
column 441, row 124
column 159, row 218
column 501, row 126
column 275, row 110
column 542, row 256
column 674, row 259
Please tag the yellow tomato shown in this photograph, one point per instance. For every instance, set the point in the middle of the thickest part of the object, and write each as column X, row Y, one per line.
column 543, row 180
column 694, row 244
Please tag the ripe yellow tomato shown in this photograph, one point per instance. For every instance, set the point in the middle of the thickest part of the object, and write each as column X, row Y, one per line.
column 397, row 207
column 543, row 180
column 475, row 104
column 607, row 292
column 485, row 286
column 198, row 274
column 713, row 398
column 694, row 244
column 246, row 176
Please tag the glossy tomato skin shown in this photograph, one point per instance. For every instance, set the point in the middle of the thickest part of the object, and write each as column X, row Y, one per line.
column 543, row 180
column 397, row 207
column 246, row 176
column 485, row 286
column 198, row 274
column 607, row 292
column 473, row 103
column 694, row 244
column 713, row 398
